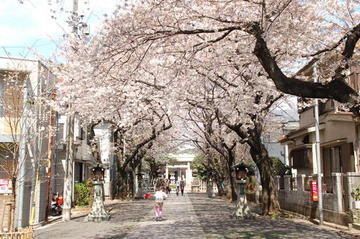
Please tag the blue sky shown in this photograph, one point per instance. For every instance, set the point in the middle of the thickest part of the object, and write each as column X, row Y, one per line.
column 28, row 29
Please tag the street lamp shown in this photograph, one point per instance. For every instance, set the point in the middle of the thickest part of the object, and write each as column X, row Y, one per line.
column 98, row 173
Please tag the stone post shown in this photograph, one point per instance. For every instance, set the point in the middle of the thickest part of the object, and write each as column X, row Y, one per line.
column 287, row 186
column 349, row 186
column 210, row 188
column 188, row 173
column 166, row 172
column 337, row 190
column 277, row 182
column 301, row 183
column 287, row 163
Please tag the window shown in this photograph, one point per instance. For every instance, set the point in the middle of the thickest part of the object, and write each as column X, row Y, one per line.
column 300, row 158
column 60, row 132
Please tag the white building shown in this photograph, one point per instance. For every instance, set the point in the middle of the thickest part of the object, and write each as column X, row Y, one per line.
column 83, row 159
column 180, row 169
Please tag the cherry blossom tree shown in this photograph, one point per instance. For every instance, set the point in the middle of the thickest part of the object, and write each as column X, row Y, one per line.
column 281, row 34
column 158, row 54
column 243, row 107
column 218, row 139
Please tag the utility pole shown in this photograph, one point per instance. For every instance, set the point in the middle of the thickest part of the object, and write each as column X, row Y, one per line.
column 20, row 203
column 317, row 147
column 68, row 180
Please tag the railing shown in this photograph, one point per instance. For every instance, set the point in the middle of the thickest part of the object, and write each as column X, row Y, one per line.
column 26, row 233
column 293, row 184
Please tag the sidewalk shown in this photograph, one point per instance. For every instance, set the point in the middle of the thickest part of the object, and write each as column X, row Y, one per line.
column 189, row 216
column 125, row 215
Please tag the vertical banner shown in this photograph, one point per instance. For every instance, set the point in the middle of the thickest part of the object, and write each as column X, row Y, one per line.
column 314, row 191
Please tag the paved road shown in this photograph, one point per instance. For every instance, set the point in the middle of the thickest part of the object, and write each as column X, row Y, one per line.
column 189, row 216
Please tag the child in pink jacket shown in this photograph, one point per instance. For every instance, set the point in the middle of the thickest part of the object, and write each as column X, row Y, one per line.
column 160, row 196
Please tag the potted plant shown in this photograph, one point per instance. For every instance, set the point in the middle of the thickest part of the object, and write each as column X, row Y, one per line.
column 356, row 196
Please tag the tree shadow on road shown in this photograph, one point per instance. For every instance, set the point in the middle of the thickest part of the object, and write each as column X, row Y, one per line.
column 123, row 217
column 217, row 222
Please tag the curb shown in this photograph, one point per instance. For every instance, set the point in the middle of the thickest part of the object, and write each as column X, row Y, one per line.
column 349, row 229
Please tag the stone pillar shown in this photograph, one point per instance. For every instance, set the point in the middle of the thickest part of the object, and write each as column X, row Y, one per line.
column 277, row 182
column 137, row 184
column 286, row 147
column 301, row 183
column 349, row 177
column 188, row 178
column 287, row 179
column 337, row 190
column 103, row 131
column 166, row 172
column 210, row 188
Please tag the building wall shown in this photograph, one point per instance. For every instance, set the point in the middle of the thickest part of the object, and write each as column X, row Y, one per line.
column 335, row 129
column 306, row 118
column 32, row 184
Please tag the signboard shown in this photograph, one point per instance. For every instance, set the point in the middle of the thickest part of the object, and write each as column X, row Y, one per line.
column 314, row 191
column 5, row 186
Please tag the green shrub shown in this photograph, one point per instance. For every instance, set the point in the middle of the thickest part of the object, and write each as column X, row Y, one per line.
column 82, row 194
column 356, row 193
column 280, row 168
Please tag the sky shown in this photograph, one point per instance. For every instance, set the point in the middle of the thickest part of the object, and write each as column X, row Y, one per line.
column 35, row 28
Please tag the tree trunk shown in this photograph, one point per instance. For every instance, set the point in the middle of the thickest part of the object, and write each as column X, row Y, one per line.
column 231, row 159
column 221, row 190
column 122, row 184
column 270, row 204
column 13, row 204
column 232, row 186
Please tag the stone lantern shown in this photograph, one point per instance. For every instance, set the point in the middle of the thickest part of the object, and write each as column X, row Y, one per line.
column 98, row 213
column 98, row 173
column 242, row 209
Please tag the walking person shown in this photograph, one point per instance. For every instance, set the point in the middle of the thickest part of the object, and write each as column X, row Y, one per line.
column 168, row 189
column 177, row 187
column 182, row 187
column 160, row 196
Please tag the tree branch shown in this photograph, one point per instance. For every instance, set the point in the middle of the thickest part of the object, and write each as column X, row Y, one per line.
column 336, row 89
